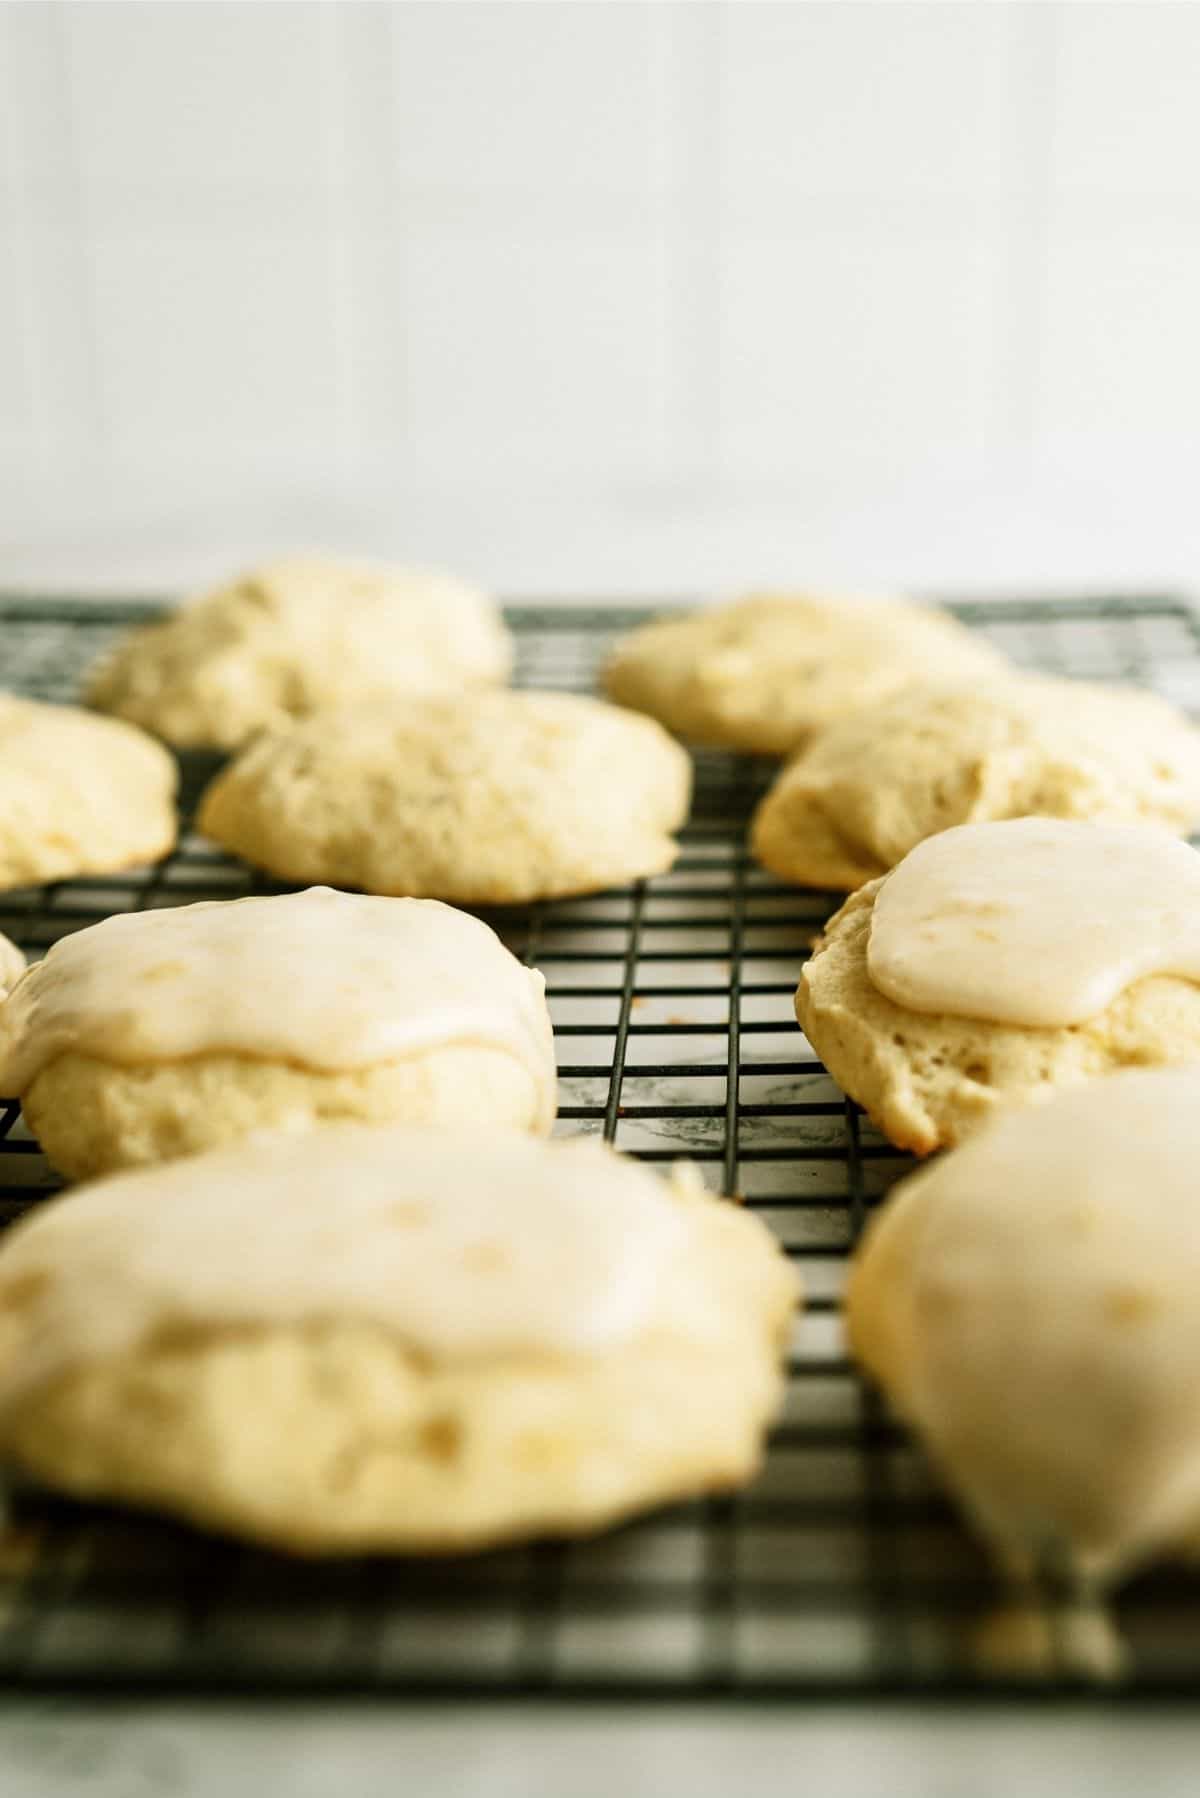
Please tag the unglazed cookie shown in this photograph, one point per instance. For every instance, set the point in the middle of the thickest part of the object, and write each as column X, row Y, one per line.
column 162, row 1033
column 765, row 673
column 875, row 784
column 492, row 799
column 283, row 640
column 392, row 1339
column 1000, row 962
column 12, row 965
column 1029, row 1304
column 79, row 794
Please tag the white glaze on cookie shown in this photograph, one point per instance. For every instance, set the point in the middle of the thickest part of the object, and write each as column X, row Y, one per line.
column 463, row 1248
column 322, row 979
column 1038, row 921
column 1029, row 1304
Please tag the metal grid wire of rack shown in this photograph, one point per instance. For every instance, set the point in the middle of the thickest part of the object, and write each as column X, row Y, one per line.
column 842, row 1570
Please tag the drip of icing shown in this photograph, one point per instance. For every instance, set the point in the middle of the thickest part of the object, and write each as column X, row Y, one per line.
column 323, row 979
column 1038, row 921
column 461, row 1249
column 1028, row 1641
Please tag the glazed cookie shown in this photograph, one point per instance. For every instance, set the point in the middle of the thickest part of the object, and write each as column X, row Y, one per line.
column 162, row 1033
column 765, row 673
column 286, row 639
column 1001, row 962
column 12, row 965
column 494, row 799
column 873, row 785
column 1029, row 1305
column 79, row 794
column 392, row 1339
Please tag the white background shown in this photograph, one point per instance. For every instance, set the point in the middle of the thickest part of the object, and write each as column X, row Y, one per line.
column 603, row 296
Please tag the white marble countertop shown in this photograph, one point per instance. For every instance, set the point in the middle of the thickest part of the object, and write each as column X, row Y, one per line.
column 119, row 1750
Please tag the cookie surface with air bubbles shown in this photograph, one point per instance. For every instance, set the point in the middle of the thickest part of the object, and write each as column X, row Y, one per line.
column 765, row 673
column 497, row 798
column 937, row 754
column 79, row 794
column 281, row 641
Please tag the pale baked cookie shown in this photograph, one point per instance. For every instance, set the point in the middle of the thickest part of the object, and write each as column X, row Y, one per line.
column 281, row 641
column 873, row 785
column 12, row 965
column 392, row 1339
column 1029, row 1304
column 1015, row 959
column 766, row 672
column 161, row 1033
column 494, row 799
column 79, row 794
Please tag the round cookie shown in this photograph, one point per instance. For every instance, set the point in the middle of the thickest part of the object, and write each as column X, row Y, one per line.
column 12, row 965
column 1028, row 1303
column 767, row 672
column 392, row 1340
column 163, row 1033
column 493, row 799
column 79, row 794
column 875, row 784
column 1045, row 984
column 283, row 640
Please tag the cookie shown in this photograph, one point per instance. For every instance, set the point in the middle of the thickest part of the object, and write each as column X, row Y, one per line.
column 79, row 794
column 163, row 1033
column 767, row 672
column 1028, row 1303
column 283, row 640
column 873, row 785
column 999, row 963
column 492, row 799
column 392, row 1339
column 12, row 965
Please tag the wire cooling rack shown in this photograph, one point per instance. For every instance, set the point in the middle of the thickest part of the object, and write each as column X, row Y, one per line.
column 842, row 1570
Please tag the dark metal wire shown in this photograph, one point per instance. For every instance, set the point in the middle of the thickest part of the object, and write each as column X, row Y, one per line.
column 843, row 1570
